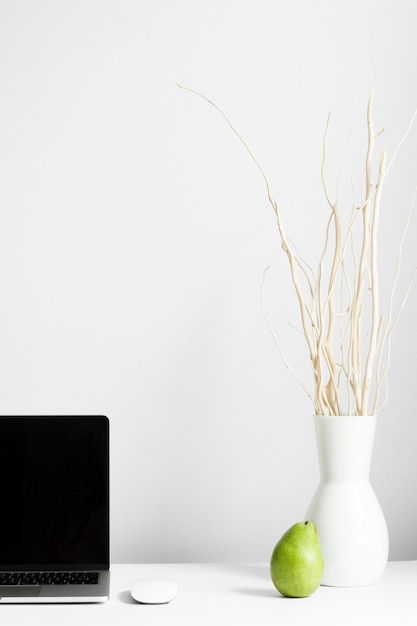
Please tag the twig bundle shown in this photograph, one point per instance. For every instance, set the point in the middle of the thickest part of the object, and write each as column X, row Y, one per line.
column 347, row 361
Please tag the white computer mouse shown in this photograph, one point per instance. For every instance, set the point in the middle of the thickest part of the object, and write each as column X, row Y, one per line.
column 153, row 591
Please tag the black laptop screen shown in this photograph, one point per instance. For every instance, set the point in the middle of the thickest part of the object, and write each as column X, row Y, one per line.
column 54, row 500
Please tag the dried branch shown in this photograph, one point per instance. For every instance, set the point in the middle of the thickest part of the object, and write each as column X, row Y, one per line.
column 390, row 325
column 306, row 317
column 320, row 318
column 376, row 321
column 275, row 338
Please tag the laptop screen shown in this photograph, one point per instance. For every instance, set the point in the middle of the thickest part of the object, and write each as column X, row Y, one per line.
column 54, row 493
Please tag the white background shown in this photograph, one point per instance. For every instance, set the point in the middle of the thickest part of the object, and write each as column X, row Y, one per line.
column 135, row 231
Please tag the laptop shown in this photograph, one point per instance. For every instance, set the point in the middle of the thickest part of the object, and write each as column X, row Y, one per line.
column 54, row 509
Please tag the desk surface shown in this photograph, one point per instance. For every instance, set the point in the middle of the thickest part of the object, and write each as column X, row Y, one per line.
column 231, row 594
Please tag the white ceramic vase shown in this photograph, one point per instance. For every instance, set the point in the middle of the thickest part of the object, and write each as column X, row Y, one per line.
column 351, row 525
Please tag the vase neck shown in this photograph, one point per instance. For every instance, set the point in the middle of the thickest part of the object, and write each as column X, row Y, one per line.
column 345, row 447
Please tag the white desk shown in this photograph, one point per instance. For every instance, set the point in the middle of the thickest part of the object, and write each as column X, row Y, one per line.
column 233, row 595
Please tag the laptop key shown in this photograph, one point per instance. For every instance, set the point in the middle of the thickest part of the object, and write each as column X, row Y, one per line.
column 48, row 578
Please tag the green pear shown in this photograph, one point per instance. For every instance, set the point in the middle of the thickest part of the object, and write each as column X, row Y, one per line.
column 297, row 562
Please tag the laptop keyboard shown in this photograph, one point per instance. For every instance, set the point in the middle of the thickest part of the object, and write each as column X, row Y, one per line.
column 48, row 578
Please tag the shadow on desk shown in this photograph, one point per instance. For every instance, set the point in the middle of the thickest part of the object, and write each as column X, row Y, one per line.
column 126, row 598
column 261, row 586
column 259, row 593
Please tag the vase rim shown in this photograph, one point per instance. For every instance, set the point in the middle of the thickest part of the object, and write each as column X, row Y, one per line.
column 346, row 417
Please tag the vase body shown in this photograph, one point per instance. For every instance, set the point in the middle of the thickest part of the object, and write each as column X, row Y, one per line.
column 351, row 525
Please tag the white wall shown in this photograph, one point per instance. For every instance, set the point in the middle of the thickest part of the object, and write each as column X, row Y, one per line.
column 135, row 230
